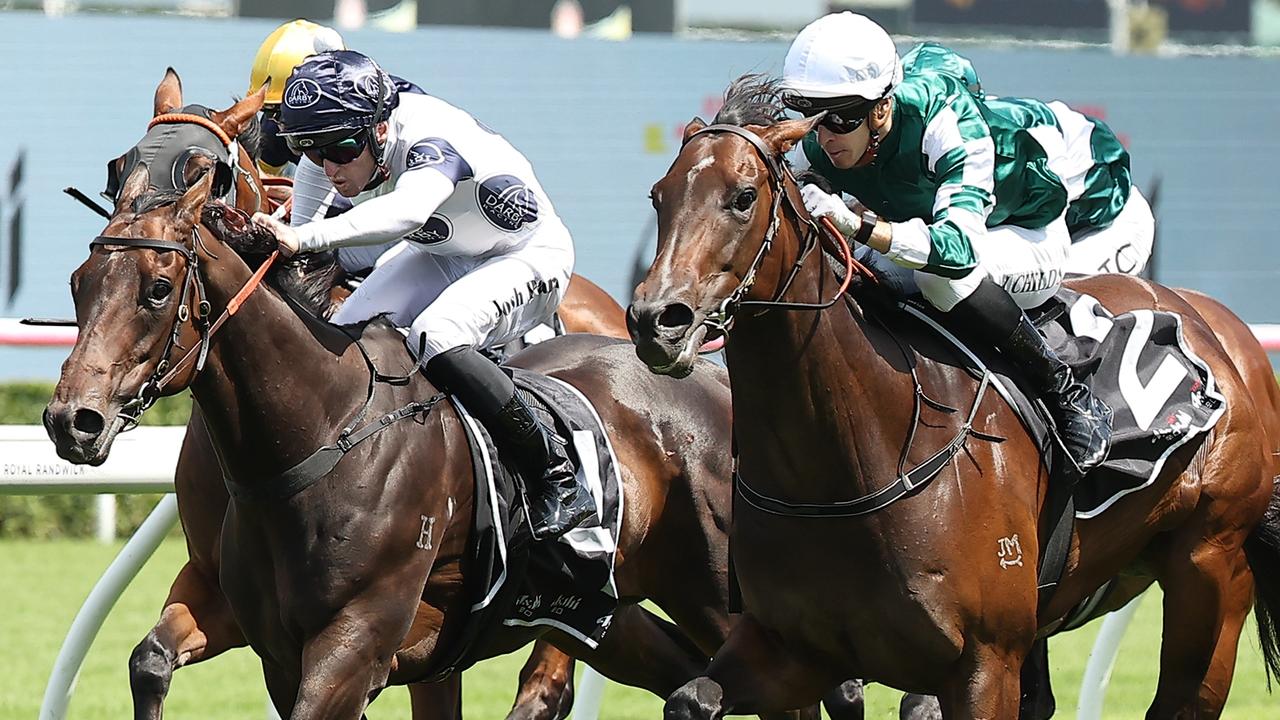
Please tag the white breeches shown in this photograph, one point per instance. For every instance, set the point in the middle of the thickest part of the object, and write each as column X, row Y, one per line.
column 1027, row 263
column 1124, row 246
column 455, row 300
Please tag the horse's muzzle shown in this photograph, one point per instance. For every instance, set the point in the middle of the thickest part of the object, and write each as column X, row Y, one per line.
column 78, row 432
column 667, row 335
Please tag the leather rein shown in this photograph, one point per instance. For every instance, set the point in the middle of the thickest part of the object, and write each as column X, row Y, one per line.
column 780, row 180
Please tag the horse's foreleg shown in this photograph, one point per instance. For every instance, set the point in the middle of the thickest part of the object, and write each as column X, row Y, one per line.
column 196, row 624
column 546, row 685
column 752, row 673
column 282, row 688
column 846, row 702
column 1207, row 595
column 350, row 659
column 438, row 700
column 986, row 686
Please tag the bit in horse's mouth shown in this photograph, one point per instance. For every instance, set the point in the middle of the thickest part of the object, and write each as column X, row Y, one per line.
column 683, row 363
column 713, row 342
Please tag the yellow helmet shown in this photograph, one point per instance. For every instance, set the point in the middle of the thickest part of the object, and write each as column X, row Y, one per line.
column 284, row 49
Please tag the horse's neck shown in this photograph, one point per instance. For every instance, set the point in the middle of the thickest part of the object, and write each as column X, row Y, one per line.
column 270, row 389
column 811, row 390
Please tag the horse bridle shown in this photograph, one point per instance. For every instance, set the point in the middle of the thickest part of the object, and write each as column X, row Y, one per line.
column 721, row 319
column 232, row 147
column 907, row 481
column 163, row 374
column 192, row 282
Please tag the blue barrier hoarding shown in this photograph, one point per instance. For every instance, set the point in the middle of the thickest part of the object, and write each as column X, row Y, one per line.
column 600, row 121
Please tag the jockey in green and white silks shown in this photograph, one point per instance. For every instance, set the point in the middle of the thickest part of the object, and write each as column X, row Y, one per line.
column 1112, row 227
column 967, row 192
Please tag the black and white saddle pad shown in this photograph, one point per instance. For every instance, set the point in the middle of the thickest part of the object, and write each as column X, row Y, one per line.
column 1162, row 395
column 567, row 584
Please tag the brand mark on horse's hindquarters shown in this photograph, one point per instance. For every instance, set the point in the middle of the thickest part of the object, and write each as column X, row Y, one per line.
column 1010, row 551
column 424, row 537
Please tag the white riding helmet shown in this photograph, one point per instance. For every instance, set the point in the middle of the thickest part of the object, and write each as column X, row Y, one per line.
column 842, row 55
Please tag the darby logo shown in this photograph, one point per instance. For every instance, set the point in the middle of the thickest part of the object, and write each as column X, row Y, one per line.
column 371, row 86
column 426, row 154
column 302, row 93
column 435, row 230
column 507, row 202
column 438, row 153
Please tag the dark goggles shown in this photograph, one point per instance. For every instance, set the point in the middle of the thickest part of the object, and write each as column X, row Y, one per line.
column 340, row 149
column 843, row 114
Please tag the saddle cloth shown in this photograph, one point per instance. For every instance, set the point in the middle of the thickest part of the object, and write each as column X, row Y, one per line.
column 1162, row 395
column 567, row 584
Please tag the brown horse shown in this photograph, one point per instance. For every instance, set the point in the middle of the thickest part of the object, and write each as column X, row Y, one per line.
column 1255, row 369
column 1250, row 358
column 333, row 586
column 913, row 594
column 196, row 622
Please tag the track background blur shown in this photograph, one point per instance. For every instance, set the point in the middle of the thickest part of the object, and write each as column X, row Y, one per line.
column 600, row 121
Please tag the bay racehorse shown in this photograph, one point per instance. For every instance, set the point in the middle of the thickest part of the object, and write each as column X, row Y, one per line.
column 196, row 622
column 913, row 595
column 1254, row 365
column 333, row 585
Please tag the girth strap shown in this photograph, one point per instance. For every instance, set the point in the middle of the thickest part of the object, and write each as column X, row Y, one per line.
column 906, row 484
column 325, row 459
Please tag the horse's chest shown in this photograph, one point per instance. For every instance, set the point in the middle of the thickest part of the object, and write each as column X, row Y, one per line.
column 823, row 585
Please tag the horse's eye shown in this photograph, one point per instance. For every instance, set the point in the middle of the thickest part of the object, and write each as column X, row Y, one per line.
column 160, row 290
column 744, row 200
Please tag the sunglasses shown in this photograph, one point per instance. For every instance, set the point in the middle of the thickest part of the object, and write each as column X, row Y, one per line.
column 339, row 152
column 843, row 115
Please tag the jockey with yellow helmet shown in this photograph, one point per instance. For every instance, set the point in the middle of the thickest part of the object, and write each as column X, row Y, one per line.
column 283, row 50
column 971, row 195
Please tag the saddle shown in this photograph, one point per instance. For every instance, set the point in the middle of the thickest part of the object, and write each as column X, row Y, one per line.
column 568, row 584
column 1162, row 395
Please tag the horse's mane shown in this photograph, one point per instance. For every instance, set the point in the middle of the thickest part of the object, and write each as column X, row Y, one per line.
column 753, row 99
column 307, row 278
column 304, row 277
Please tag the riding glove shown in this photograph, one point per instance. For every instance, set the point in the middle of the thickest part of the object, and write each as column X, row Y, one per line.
column 823, row 204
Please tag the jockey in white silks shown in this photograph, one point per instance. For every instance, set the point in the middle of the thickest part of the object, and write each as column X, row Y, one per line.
column 485, row 257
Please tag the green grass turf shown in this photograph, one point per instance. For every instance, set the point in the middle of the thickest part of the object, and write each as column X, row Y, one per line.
column 42, row 584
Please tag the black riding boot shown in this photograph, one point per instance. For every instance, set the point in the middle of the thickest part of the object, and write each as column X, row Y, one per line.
column 1084, row 420
column 557, row 502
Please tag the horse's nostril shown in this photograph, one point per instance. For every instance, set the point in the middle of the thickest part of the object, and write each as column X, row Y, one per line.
column 676, row 315
column 88, row 421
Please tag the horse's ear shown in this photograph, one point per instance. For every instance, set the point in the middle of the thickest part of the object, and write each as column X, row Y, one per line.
column 169, row 93
column 784, row 135
column 235, row 118
column 189, row 205
column 136, row 184
column 694, row 126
